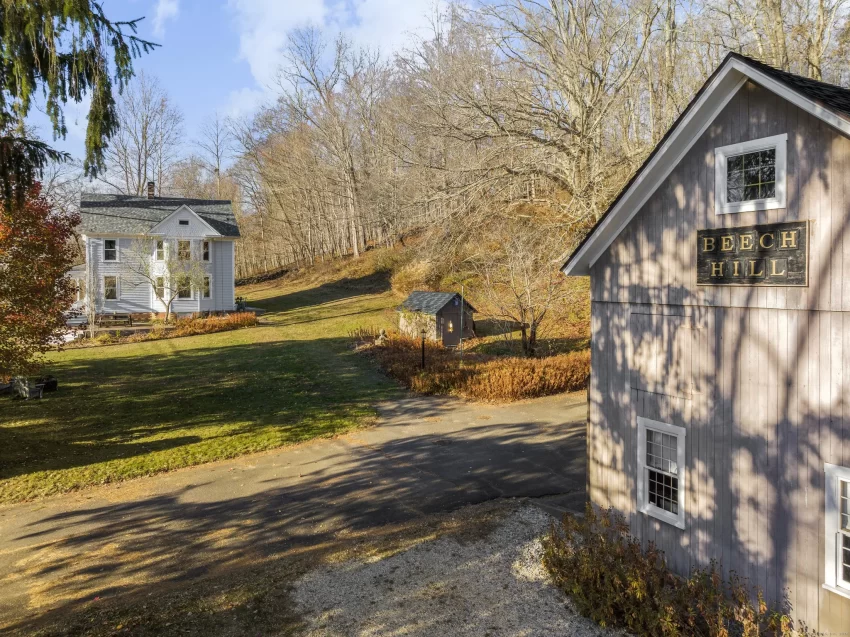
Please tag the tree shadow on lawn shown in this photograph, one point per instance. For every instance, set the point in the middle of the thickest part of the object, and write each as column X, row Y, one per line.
column 185, row 407
column 179, row 538
column 375, row 283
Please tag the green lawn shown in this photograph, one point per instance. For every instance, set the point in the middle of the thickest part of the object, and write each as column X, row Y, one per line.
column 125, row 411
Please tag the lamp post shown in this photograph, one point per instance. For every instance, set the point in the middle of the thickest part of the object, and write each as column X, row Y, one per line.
column 423, row 349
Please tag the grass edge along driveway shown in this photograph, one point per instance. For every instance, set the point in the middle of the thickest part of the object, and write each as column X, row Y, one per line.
column 134, row 410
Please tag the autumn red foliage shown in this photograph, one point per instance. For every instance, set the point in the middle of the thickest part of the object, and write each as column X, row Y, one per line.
column 36, row 252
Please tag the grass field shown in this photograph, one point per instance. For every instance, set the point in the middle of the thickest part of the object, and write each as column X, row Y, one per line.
column 132, row 410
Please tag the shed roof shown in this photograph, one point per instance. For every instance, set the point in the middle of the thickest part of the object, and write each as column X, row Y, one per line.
column 828, row 102
column 431, row 302
column 125, row 214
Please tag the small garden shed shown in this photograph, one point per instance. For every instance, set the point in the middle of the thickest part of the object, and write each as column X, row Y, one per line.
column 439, row 314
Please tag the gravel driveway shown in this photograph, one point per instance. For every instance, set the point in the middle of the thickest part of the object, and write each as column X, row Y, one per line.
column 493, row 585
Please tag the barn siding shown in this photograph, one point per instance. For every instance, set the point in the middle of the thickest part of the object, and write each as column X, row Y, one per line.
column 765, row 366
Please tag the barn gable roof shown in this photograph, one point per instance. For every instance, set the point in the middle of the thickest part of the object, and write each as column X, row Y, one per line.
column 828, row 102
column 124, row 214
column 431, row 302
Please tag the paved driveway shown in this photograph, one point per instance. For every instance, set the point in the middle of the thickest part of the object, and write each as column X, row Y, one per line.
column 426, row 455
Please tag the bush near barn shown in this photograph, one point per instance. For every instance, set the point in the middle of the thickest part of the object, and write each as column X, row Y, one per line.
column 476, row 376
column 616, row 583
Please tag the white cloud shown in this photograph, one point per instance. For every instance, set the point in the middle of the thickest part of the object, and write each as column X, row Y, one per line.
column 379, row 24
column 165, row 10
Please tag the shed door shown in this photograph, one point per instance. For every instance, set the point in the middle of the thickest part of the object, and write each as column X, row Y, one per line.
column 451, row 328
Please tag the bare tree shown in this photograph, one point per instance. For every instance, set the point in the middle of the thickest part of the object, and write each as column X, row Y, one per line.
column 216, row 145
column 170, row 266
column 149, row 140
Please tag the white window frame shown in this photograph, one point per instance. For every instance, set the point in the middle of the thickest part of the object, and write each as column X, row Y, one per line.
column 117, row 287
column 117, row 258
column 154, row 287
column 208, row 283
column 677, row 520
column 191, row 296
column 833, row 581
column 206, row 250
column 159, row 253
column 723, row 207
column 180, row 258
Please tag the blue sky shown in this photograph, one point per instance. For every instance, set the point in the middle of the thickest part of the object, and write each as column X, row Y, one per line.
column 223, row 55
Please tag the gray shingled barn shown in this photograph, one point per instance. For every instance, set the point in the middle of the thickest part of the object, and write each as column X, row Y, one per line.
column 439, row 314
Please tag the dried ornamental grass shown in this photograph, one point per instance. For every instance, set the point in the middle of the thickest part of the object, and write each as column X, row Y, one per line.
column 477, row 376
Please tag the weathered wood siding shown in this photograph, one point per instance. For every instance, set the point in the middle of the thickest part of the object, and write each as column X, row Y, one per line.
column 759, row 377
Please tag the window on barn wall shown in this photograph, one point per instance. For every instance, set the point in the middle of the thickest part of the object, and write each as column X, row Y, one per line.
column 837, row 528
column 661, row 464
column 751, row 175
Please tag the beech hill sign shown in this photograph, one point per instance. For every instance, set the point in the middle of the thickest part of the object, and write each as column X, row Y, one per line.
column 766, row 254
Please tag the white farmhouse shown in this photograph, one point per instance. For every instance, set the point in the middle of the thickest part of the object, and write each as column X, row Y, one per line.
column 115, row 226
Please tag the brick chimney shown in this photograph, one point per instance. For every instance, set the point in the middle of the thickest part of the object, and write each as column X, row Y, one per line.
column 151, row 190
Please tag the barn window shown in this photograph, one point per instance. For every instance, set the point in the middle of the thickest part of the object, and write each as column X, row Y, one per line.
column 110, row 250
column 110, row 288
column 661, row 463
column 837, row 526
column 750, row 176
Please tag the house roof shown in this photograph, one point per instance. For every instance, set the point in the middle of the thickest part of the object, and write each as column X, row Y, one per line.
column 124, row 214
column 828, row 102
column 430, row 302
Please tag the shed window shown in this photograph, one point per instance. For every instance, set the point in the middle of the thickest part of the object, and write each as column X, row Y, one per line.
column 837, row 528
column 184, row 250
column 110, row 250
column 661, row 460
column 206, row 250
column 160, row 250
column 750, row 176
column 110, row 288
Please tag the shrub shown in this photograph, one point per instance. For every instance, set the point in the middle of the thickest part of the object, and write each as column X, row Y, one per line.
column 478, row 376
column 615, row 582
column 211, row 324
column 416, row 275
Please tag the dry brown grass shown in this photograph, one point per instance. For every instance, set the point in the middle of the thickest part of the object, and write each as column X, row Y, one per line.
column 478, row 376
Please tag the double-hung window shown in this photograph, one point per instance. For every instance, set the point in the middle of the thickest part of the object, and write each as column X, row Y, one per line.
column 661, row 463
column 184, row 288
column 110, row 249
column 184, row 250
column 206, row 250
column 160, row 250
column 110, row 288
column 207, row 288
column 837, row 529
column 751, row 175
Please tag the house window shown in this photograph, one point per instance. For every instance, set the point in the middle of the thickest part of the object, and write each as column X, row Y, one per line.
column 837, row 528
column 661, row 462
column 184, row 288
column 184, row 222
column 110, row 250
column 160, row 250
column 159, row 288
column 206, row 250
column 80, row 290
column 206, row 287
column 184, row 250
column 110, row 288
column 750, row 176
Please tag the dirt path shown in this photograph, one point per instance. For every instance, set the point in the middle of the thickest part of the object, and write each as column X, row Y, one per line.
column 426, row 455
